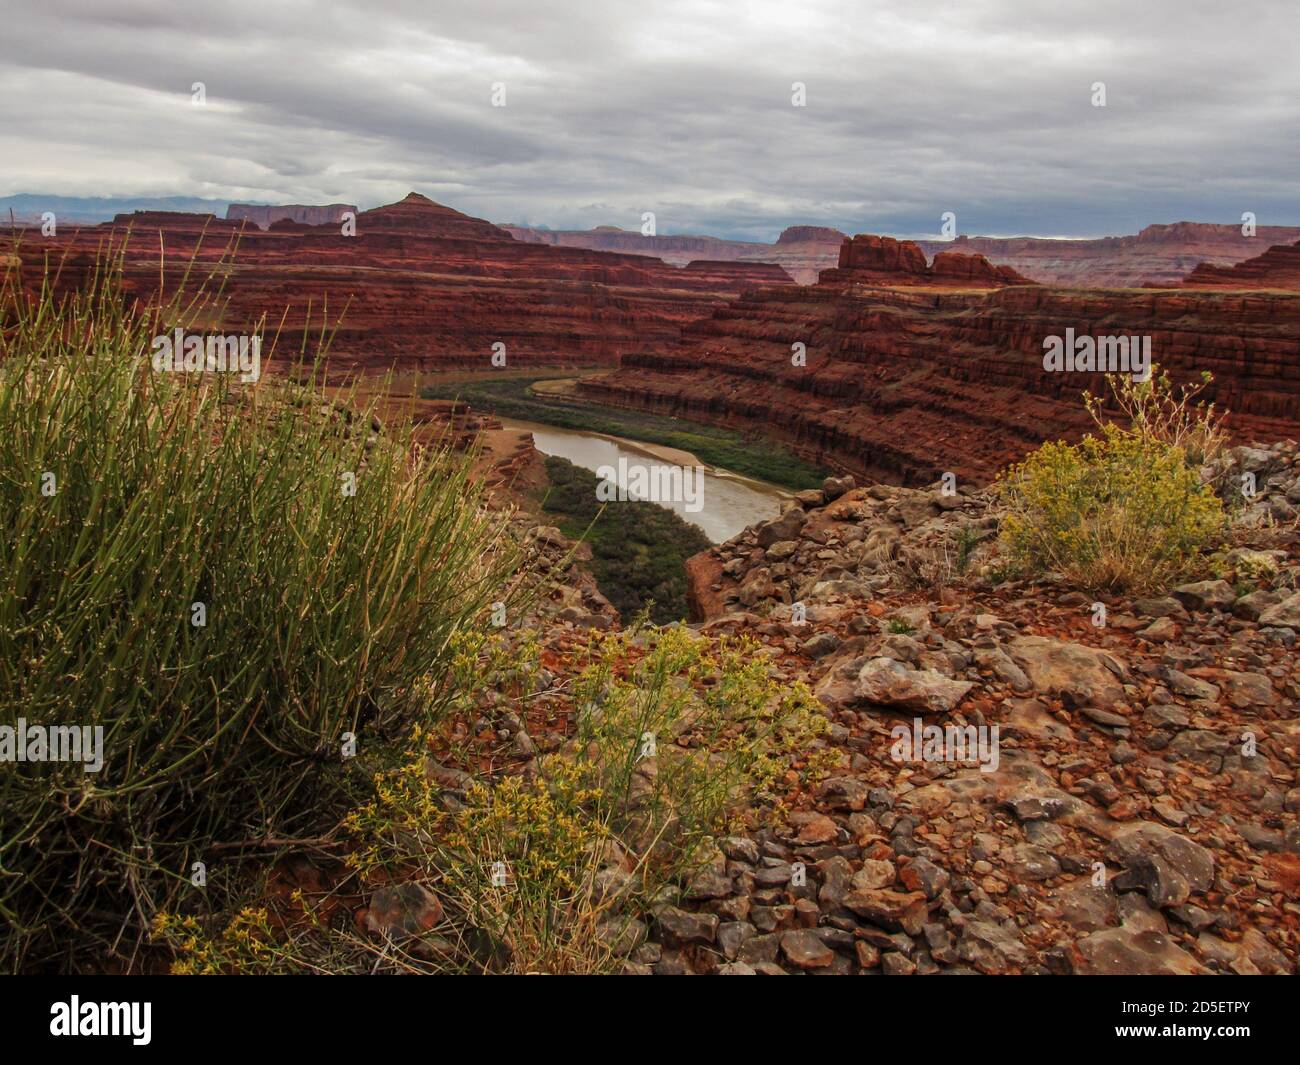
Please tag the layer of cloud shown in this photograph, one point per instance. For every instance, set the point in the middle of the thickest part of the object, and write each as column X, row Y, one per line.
column 684, row 108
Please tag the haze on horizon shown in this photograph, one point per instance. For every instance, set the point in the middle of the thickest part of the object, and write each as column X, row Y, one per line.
column 984, row 109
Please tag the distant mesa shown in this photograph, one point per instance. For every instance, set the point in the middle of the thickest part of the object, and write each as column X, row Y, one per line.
column 264, row 216
column 870, row 259
column 801, row 251
column 172, row 220
column 811, row 235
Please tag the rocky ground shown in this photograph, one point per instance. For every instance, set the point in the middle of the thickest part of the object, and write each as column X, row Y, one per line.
column 1142, row 814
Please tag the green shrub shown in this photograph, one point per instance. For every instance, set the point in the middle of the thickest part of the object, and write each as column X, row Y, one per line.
column 967, row 540
column 326, row 613
column 1122, row 511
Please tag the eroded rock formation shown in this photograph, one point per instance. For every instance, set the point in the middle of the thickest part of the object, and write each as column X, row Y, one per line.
column 869, row 259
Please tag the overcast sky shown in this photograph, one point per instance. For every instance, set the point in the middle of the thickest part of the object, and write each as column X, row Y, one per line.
column 613, row 108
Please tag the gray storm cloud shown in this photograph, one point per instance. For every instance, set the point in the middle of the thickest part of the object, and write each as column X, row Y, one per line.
column 981, row 108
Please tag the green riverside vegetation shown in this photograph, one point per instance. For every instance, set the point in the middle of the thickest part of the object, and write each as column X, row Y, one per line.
column 638, row 549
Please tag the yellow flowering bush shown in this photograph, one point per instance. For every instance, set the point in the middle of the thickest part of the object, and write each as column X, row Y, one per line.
column 1119, row 512
column 246, row 944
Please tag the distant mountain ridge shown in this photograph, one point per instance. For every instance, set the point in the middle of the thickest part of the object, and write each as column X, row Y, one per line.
column 265, row 216
column 803, row 251
column 29, row 206
column 1162, row 254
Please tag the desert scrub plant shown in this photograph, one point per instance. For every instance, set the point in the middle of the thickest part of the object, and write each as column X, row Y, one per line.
column 128, row 496
column 678, row 738
column 967, row 539
column 669, row 744
column 553, row 871
column 928, row 566
column 1158, row 410
column 517, row 869
column 1122, row 511
column 246, row 944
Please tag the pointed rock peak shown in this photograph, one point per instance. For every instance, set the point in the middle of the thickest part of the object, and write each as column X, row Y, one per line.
column 420, row 216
